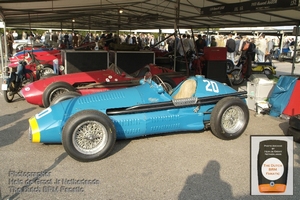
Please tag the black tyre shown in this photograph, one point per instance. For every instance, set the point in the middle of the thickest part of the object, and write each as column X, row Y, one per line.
column 295, row 133
column 55, row 89
column 28, row 78
column 48, row 69
column 44, row 71
column 294, row 122
column 297, row 59
column 281, row 57
column 268, row 73
column 229, row 118
column 89, row 135
column 237, row 77
column 48, row 75
column 9, row 93
column 230, row 65
column 64, row 96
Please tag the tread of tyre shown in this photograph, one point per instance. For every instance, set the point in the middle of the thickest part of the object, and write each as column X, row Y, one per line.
column 217, row 114
column 76, row 120
column 294, row 122
column 295, row 133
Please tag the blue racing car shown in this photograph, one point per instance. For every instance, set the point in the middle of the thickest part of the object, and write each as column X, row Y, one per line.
column 89, row 125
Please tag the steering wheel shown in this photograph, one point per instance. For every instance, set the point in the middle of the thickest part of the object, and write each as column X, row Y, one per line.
column 148, row 77
column 160, row 82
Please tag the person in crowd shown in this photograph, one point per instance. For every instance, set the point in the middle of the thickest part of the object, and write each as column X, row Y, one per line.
column 66, row 40
column 54, row 38
column 170, row 43
column 181, row 47
column 71, row 39
column 269, row 51
column 248, row 49
column 122, row 39
column 15, row 35
column 237, row 45
column 31, row 38
column 230, row 46
column 133, row 38
column 213, row 42
column 128, row 39
column 75, row 39
column 191, row 42
column 109, row 39
column 292, row 42
column 201, row 43
column 10, row 41
column 102, row 42
column 139, row 42
column 261, row 48
column 47, row 39
column 24, row 35
column 60, row 39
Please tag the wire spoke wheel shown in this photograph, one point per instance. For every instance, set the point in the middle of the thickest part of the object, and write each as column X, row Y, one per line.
column 90, row 137
column 233, row 119
column 56, row 92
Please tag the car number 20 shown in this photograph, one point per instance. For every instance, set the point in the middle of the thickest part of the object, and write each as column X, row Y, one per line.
column 211, row 86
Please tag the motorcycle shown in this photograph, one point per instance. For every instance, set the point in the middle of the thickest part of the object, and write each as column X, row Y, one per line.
column 236, row 75
column 14, row 79
column 288, row 54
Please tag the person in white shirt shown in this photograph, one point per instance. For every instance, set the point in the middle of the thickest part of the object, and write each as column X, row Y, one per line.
column 15, row 35
column 261, row 48
column 181, row 46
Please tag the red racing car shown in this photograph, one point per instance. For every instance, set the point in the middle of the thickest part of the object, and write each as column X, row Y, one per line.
column 43, row 92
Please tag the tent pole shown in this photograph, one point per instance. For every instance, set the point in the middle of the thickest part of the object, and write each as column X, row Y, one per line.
column 177, row 9
column 295, row 48
column 5, row 57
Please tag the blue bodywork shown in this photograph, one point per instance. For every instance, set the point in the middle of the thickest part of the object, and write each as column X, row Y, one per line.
column 136, row 111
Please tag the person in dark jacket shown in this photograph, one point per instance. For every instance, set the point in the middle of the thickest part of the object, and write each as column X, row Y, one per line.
column 249, row 54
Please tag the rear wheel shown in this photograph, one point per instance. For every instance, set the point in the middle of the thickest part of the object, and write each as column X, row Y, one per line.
column 54, row 90
column 64, row 96
column 28, row 78
column 88, row 135
column 237, row 77
column 229, row 118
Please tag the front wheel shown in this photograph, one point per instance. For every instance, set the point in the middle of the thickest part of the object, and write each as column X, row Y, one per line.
column 9, row 93
column 89, row 135
column 230, row 65
column 297, row 59
column 229, row 118
column 47, row 70
column 268, row 73
column 281, row 57
column 237, row 77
